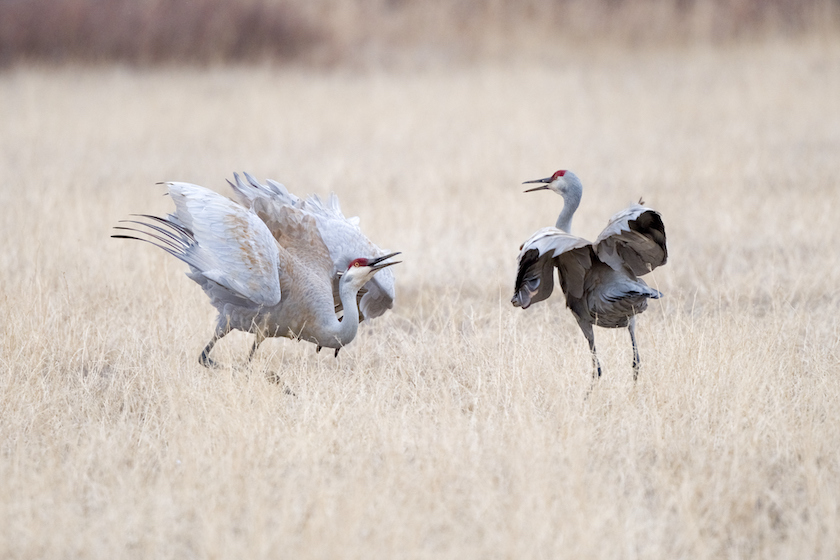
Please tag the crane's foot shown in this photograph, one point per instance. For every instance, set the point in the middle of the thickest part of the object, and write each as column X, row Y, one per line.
column 336, row 352
column 207, row 361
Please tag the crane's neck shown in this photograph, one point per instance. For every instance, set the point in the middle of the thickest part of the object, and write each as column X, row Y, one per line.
column 349, row 324
column 570, row 204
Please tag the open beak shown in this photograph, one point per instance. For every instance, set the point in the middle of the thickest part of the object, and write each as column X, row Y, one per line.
column 540, row 188
column 377, row 264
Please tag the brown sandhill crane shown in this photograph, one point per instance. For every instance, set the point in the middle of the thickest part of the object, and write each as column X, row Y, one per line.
column 274, row 265
column 600, row 279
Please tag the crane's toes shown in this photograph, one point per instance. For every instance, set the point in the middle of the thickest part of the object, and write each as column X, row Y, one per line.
column 208, row 362
column 275, row 378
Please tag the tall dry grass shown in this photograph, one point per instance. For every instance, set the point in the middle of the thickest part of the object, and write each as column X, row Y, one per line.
column 457, row 425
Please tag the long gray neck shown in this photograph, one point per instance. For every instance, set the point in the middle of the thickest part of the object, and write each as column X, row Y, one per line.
column 571, row 200
column 564, row 220
column 349, row 325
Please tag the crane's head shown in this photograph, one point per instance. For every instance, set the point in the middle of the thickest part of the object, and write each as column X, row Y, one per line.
column 361, row 270
column 561, row 182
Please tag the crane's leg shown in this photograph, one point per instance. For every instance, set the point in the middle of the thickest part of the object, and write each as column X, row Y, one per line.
column 632, row 328
column 260, row 337
column 204, row 358
column 318, row 349
column 590, row 337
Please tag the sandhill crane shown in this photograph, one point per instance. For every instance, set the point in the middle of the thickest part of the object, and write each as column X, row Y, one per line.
column 273, row 265
column 600, row 279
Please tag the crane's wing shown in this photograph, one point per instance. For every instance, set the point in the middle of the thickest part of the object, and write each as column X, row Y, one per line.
column 297, row 232
column 633, row 238
column 548, row 248
column 345, row 241
column 222, row 242
column 272, row 195
column 341, row 235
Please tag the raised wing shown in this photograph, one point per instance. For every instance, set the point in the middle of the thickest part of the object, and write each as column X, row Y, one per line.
column 346, row 242
column 220, row 241
column 548, row 248
column 297, row 231
column 634, row 238
column 342, row 236
column 273, row 194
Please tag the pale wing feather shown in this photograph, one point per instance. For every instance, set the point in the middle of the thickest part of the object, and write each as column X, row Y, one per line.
column 547, row 248
column 346, row 242
column 294, row 228
column 233, row 247
column 634, row 238
column 342, row 236
column 266, row 201
column 297, row 232
column 250, row 189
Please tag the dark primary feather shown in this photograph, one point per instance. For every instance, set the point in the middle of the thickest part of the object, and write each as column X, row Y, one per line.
column 634, row 238
column 534, row 280
column 174, row 239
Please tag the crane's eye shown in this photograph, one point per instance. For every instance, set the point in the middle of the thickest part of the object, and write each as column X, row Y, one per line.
column 356, row 264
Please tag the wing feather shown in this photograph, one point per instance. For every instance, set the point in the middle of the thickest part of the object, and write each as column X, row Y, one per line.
column 297, row 232
column 633, row 238
column 232, row 246
column 345, row 241
column 342, row 236
column 546, row 249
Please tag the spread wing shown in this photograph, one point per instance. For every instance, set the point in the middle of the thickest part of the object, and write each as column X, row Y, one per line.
column 272, row 196
column 342, row 236
column 548, row 248
column 297, row 232
column 346, row 242
column 230, row 251
column 633, row 238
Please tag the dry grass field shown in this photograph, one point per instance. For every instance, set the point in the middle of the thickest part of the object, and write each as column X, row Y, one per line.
column 456, row 426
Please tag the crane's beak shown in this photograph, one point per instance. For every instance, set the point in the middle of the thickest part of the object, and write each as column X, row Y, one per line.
column 377, row 264
column 540, row 188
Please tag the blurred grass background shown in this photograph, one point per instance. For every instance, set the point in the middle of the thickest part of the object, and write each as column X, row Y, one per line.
column 329, row 32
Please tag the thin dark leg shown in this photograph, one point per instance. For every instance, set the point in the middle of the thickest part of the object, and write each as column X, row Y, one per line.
column 204, row 358
column 632, row 328
column 596, row 366
column 590, row 337
column 257, row 341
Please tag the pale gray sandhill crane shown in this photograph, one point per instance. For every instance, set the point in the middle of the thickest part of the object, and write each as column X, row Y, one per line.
column 600, row 279
column 274, row 265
